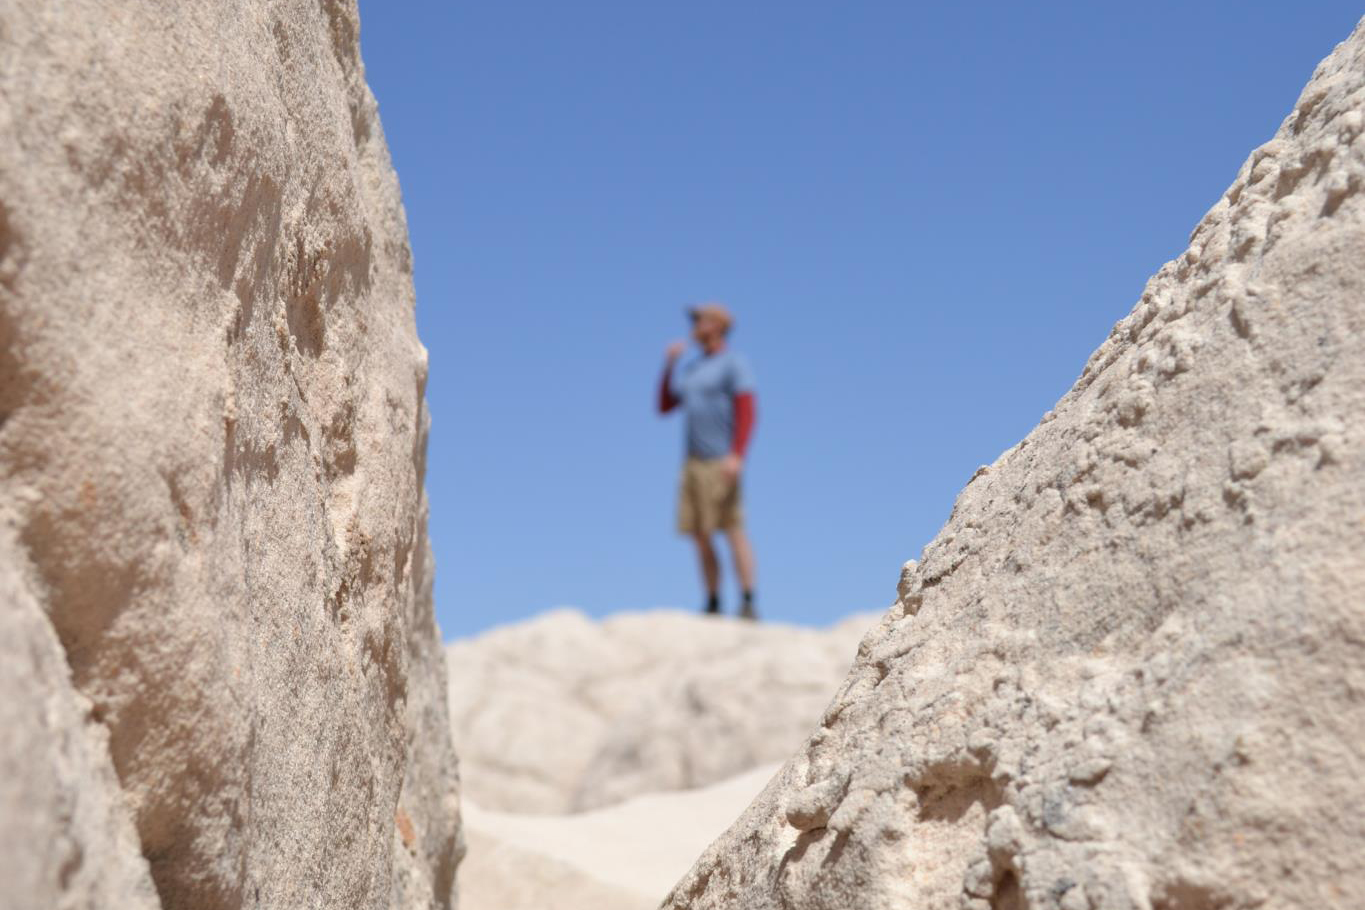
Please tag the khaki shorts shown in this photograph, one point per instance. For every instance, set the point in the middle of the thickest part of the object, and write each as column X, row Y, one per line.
column 707, row 500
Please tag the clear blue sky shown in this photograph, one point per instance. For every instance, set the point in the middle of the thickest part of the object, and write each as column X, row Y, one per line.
column 925, row 217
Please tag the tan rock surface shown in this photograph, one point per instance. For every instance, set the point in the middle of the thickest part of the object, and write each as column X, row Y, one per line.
column 563, row 714
column 1129, row 674
column 57, row 785
column 496, row 875
column 623, row 856
column 212, row 443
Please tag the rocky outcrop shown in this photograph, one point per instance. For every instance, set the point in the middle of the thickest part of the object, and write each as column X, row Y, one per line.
column 222, row 682
column 564, row 714
column 1129, row 673
column 65, row 837
column 503, row 876
column 623, row 856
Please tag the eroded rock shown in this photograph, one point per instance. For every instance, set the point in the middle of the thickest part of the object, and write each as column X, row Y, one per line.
column 212, row 444
column 58, row 791
column 1129, row 673
column 563, row 714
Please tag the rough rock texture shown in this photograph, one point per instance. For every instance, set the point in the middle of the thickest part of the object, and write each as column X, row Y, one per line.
column 57, row 785
column 563, row 714
column 1129, row 674
column 222, row 683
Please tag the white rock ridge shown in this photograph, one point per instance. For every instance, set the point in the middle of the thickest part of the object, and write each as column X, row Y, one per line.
column 222, row 683
column 564, row 714
column 1129, row 673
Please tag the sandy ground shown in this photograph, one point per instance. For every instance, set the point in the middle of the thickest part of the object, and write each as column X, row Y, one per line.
column 625, row 857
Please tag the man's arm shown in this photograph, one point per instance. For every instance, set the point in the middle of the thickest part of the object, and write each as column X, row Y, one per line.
column 746, row 413
column 745, row 416
column 667, row 400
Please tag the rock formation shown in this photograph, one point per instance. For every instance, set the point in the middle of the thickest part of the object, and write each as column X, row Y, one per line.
column 563, row 714
column 622, row 857
column 502, row 876
column 1129, row 673
column 222, row 683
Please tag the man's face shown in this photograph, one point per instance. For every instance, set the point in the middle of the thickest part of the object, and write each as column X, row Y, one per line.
column 706, row 327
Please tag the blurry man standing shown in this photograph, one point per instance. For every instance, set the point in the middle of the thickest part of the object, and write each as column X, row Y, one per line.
column 716, row 392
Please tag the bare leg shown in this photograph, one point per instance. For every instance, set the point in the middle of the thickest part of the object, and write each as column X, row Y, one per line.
column 743, row 555
column 710, row 566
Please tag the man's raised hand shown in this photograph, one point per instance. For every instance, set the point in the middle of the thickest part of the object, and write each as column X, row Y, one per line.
column 675, row 350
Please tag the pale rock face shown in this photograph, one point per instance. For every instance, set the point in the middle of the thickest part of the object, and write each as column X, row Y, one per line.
column 504, row 876
column 564, row 714
column 1129, row 674
column 57, row 785
column 216, row 576
column 635, row 849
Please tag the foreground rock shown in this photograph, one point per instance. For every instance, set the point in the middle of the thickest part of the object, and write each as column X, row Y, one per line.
column 222, row 684
column 564, row 714
column 65, row 838
column 1129, row 674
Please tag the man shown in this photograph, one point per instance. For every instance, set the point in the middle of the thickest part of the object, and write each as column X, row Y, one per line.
column 716, row 392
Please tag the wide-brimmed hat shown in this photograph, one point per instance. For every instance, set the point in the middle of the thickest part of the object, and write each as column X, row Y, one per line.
column 716, row 311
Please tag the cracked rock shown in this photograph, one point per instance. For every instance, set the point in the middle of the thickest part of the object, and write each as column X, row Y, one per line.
column 222, row 682
column 1164, row 711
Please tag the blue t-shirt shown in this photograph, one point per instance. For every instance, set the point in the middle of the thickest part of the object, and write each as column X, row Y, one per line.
column 707, row 386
